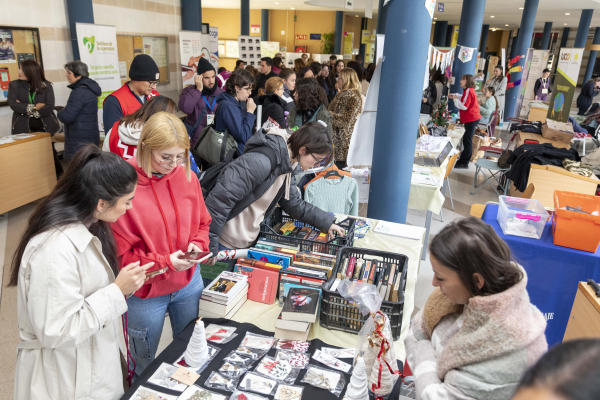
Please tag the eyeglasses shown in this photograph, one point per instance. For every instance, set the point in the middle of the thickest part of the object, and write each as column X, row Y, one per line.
column 317, row 161
column 152, row 83
column 167, row 162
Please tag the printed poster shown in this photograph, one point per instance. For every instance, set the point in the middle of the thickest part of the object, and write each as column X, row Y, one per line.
column 249, row 49
column 269, row 49
column 7, row 46
column 191, row 50
column 565, row 81
column 532, row 71
column 156, row 47
column 98, row 49
column 213, row 46
column 231, row 49
column 348, row 41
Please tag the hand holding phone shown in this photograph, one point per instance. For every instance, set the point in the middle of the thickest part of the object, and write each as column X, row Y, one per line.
column 195, row 256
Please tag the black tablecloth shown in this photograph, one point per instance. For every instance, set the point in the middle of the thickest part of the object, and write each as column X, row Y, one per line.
column 179, row 344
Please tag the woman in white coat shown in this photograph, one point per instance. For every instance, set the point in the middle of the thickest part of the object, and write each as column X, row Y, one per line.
column 499, row 82
column 69, row 301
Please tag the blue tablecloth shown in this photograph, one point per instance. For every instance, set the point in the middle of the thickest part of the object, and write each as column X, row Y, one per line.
column 553, row 273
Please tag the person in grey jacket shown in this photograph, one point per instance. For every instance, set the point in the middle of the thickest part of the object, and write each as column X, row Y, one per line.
column 247, row 189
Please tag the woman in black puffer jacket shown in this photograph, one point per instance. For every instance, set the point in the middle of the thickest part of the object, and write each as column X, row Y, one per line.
column 272, row 102
column 80, row 115
column 248, row 188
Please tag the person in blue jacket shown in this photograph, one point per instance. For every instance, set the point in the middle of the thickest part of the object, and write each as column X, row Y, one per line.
column 231, row 113
column 80, row 115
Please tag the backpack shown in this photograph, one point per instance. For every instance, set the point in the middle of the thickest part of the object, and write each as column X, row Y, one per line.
column 214, row 146
column 210, row 177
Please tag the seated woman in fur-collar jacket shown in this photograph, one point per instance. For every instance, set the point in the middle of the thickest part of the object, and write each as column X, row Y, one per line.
column 478, row 332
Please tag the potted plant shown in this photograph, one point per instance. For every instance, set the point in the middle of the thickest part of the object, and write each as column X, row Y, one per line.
column 327, row 42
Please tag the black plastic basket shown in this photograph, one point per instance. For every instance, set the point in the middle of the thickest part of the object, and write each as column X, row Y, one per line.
column 340, row 314
column 330, row 247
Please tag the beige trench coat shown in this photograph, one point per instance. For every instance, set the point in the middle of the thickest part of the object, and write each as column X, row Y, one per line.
column 69, row 319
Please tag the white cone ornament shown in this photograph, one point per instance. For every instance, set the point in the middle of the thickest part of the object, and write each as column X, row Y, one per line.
column 387, row 381
column 357, row 389
column 196, row 354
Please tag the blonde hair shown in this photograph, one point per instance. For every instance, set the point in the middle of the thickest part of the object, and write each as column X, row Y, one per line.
column 273, row 84
column 350, row 79
column 162, row 131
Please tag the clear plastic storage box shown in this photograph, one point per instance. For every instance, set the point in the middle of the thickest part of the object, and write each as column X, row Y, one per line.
column 522, row 217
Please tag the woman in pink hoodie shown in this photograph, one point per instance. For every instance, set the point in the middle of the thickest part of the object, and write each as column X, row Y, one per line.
column 170, row 218
column 123, row 138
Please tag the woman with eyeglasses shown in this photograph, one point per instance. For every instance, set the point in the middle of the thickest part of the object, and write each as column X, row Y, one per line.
column 232, row 113
column 144, row 75
column 170, row 218
column 248, row 188
column 272, row 102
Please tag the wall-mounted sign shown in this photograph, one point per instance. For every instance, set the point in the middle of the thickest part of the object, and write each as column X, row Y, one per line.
column 440, row 7
column 254, row 28
column 315, row 36
column 301, row 37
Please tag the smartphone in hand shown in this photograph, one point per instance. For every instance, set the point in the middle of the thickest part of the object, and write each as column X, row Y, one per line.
column 196, row 256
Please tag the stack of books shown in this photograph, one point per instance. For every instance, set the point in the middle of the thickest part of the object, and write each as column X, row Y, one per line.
column 300, row 310
column 224, row 296
column 385, row 276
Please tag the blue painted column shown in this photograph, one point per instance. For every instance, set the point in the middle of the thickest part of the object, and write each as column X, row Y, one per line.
column 78, row 11
column 485, row 30
column 381, row 17
column 583, row 28
column 191, row 15
column 523, row 43
column 436, row 34
column 471, row 20
column 449, row 34
column 565, row 37
column 513, row 46
column 245, row 17
column 546, row 36
column 442, row 33
column 593, row 54
column 264, row 25
column 398, row 115
column 339, row 32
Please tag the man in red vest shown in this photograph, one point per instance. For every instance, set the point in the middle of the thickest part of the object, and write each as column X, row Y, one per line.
column 144, row 75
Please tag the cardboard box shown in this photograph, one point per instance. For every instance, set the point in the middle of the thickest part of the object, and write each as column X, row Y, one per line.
column 522, row 136
column 537, row 114
column 559, row 131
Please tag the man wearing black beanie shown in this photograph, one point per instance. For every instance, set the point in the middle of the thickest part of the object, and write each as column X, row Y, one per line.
column 199, row 100
column 144, row 75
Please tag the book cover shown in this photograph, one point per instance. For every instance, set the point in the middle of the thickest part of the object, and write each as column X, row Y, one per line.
column 301, row 304
column 313, row 235
column 384, row 282
column 262, row 284
column 397, row 292
column 276, row 258
column 220, row 307
column 390, row 283
column 372, row 273
column 259, row 264
column 311, row 258
column 268, row 242
column 365, row 276
column 314, row 267
column 284, row 250
column 360, row 263
column 226, row 285
column 304, row 232
column 299, row 281
column 308, row 272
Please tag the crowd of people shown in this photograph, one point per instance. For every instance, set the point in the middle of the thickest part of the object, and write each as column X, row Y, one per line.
column 92, row 255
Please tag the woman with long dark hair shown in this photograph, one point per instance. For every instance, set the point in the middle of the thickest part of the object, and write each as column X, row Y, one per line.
column 309, row 105
column 479, row 321
column 499, row 83
column 69, row 300
column 31, row 97
column 333, row 77
column 123, row 137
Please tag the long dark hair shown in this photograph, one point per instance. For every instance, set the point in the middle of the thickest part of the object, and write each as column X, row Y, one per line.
column 35, row 75
column 309, row 94
column 152, row 106
column 240, row 78
column 370, row 72
column 470, row 246
column 498, row 79
column 92, row 175
column 569, row 370
column 358, row 69
column 493, row 93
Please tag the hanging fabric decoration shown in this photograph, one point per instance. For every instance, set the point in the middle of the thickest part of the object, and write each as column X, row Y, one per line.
column 518, row 68
column 513, row 84
column 466, row 54
column 438, row 60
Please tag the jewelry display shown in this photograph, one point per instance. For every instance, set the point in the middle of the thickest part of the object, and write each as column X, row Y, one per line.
column 254, row 354
column 236, row 359
column 287, row 392
column 197, row 393
column 325, row 379
column 218, row 381
column 280, row 370
column 258, row 384
column 143, row 393
column 232, row 370
column 255, row 341
column 162, row 378
column 331, row 362
column 239, row 395
column 296, row 360
column 297, row 346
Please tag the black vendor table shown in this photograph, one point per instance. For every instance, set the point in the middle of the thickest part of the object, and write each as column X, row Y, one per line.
column 179, row 345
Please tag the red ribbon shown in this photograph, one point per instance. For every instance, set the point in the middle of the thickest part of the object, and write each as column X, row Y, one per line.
column 384, row 344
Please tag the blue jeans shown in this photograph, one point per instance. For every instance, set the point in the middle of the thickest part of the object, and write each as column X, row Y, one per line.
column 223, row 248
column 146, row 317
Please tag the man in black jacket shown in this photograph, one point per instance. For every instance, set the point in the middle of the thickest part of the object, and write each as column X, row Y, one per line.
column 266, row 64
